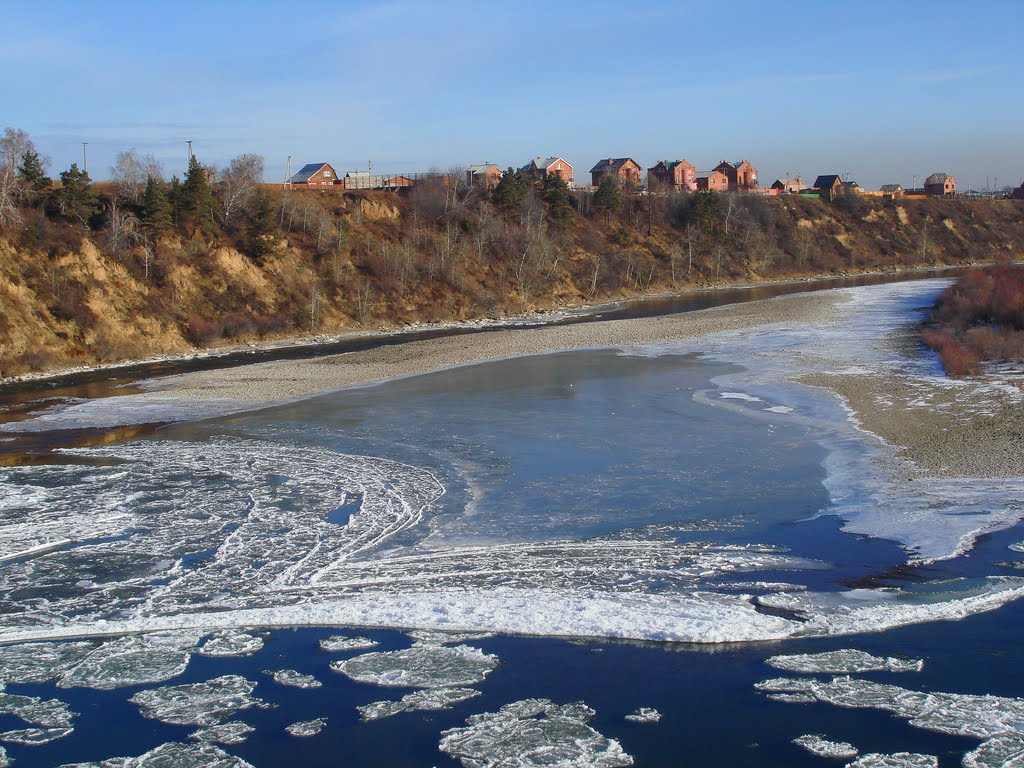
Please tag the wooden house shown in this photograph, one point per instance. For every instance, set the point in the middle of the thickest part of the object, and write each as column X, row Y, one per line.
column 675, row 174
column 829, row 186
column 742, row 175
column 626, row 170
column 894, row 191
column 315, row 175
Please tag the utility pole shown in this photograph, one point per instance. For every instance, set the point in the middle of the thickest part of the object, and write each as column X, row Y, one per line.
column 85, row 160
column 288, row 171
column 189, row 142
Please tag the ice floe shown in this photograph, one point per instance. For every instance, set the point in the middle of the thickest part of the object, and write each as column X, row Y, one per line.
column 234, row 732
column 172, row 755
column 339, row 643
column 5, row 761
column 431, row 637
column 895, row 760
column 1005, row 750
column 306, row 728
column 228, row 643
column 822, row 747
column 292, row 678
column 644, row 715
column 35, row 736
column 429, row 700
column 132, row 660
column 843, row 662
column 40, row 662
column 45, row 713
column 1018, row 546
column 533, row 732
column 206, row 704
column 421, row 666
column 739, row 396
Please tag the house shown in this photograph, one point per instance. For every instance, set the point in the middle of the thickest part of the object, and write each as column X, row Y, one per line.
column 540, row 167
column 851, row 186
column 315, row 175
column 485, row 176
column 367, row 180
column 939, row 185
column 625, row 169
column 1018, row 192
column 741, row 174
column 712, row 181
column 894, row 191
column 789, row 186
column 676, row 174
column 829, row 185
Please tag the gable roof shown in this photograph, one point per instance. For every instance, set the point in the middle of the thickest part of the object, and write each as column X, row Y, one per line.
column 613, row 164
column 307, row 172
column 475, row 169
column 827, row 180
column 891, row 188
column 542, row 163
column 938, row 178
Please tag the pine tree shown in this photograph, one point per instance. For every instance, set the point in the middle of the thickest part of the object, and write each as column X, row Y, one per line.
column 196, row 195
column 262, row 226
column 156, row 208
column 77, row 197
column 35, row 182
column 509, row 193
column 555, row 193
column 608, row 197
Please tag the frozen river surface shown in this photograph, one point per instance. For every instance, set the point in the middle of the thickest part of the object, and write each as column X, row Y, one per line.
column 680, row 494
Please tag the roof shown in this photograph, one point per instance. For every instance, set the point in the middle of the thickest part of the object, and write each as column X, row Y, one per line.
column 306, row 172
column 890, row 188
column 787, row 183
column 735, row 164
column 475, row 169
column 613, row 164
column 542, row 163
column 851, row 185
column 938, row 178
column 827, row 180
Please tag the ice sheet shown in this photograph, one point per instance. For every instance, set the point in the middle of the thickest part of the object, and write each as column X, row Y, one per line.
column 292, row 678
column 845, row 661
column 422, row 666
column 533, row 732
column 204, row 704
column 306, row 728
column 45, row 713
column 172, row 755
column 895, row 760
column 132, row 660
column 822, row 747
column 644, row 715
column 1005, row 750
column 234, row 732
column 339, row 643
column 429, row 700
column 35, row 736
column 229, row 643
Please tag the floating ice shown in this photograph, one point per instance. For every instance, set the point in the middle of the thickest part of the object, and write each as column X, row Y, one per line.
column 46, row 713
column 229, row 643
column 430, row 700
column 792, row 698
column 422, row 666
column 305, row 728
column 822, row 747
column 204, row 704
column 896, row 760
column 1018, row 547
column 35, row 736
column 846, row 661
column 433, row 637
column 778, row 409
column 5, row 761
column 292, row 678
column 644, row 715
column 339, row 643
column 1005, row 750
column 533, row 732
column 739, row 396
column 172, row 755
column 132, row 660
column 40, row 662
column 234, row 732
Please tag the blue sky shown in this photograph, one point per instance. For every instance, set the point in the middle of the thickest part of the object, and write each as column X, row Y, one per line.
column 881, row 90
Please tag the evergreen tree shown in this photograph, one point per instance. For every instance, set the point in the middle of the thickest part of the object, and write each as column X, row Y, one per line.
column 262, row 226
column 35, row 182
column 77, row 197
column 196, row 196
column 156, row 208
column 510, row 192
column 608, row 197
column 555, row 193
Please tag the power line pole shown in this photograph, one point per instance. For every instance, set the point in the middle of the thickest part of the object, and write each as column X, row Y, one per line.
column 189, row 142
column 85, row 160
column 288, row 171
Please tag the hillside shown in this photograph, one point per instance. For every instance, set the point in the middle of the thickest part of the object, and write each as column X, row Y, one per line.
column 296, row 262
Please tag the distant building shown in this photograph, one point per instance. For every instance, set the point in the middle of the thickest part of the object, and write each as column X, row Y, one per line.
column 712, row 181
column 540, row 167
column 315, row 175
column 851, row 186
column 939, row 185
column 894, row 191
column 1018, row 192
column 741, row 174
column 791, row 186
column 485, row 176
column 676, row 174
column 625, row 169
column 829, row 185
column 367, row 180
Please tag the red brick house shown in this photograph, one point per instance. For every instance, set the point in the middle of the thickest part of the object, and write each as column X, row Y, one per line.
column 625, row 169
column 742, row 175
column 485, row 176
column 676, row 174
column 540, row 167
column 315, row 175
column 712, row 181
column 939, row 185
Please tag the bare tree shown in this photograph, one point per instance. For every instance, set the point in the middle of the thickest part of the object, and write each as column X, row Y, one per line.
column 239, row 182
column 154, row 168
column 129, row 174
column 123, row 231
column 13, row 146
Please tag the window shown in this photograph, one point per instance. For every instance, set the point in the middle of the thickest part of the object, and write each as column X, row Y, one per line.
column 327, row 174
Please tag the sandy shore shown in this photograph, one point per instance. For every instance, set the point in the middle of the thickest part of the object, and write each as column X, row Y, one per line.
column 290, row 379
